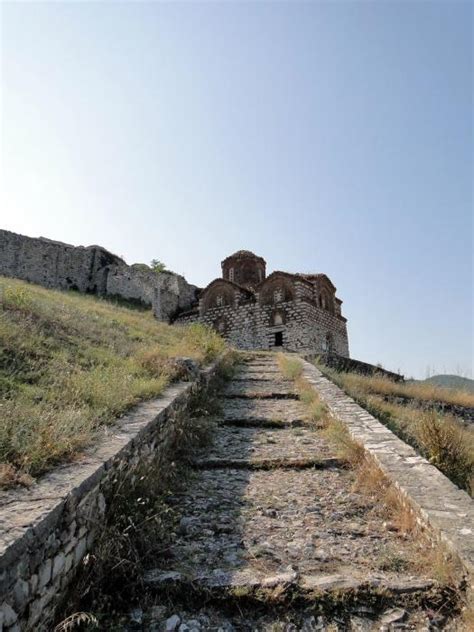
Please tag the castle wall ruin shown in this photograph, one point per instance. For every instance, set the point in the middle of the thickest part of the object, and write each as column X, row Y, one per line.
column 94, row 270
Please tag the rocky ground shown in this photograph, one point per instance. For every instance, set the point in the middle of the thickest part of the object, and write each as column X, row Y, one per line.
column 274, row 536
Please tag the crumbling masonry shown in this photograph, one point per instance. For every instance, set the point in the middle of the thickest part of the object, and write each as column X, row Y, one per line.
column 92, row 269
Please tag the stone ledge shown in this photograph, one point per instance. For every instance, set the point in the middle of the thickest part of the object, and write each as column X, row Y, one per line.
column 445, row 510
column 47, row 529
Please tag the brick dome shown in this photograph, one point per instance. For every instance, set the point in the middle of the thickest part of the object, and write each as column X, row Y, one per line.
column 244, row 268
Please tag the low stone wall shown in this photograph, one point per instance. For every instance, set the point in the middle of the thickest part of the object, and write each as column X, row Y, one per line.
column 446, row 511
column 345, row 364
column 47, row 529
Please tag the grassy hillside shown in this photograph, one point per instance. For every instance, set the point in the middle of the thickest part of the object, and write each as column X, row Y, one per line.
column 451, row 381
column 70, row 363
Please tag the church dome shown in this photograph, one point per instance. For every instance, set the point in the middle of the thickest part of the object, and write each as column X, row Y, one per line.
column 244, row 268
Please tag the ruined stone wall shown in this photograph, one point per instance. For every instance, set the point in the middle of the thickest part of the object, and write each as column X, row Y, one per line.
column 53, row 264
column 92, row 269
column 48, row 529
column 304, row 326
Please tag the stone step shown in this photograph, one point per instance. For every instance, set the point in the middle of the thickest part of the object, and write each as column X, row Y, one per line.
column 320, row 589
column 269, row 394
column 257, row 443
column 244, row 377
column 282, row 410
column 261, row 523
column 249, row 616
column 267, row 464
column 271, row 370
column 261, row 422
column 264, row 389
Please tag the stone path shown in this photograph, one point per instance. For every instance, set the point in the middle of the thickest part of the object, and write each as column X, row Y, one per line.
column 275, row 536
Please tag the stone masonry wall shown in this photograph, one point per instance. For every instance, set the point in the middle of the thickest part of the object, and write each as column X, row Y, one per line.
column 47, row 529
column 249, row 326
column 166, row 292
column 53, row 264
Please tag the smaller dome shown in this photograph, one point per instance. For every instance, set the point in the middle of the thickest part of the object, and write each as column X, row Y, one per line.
column 244, row 268
column 244, row 254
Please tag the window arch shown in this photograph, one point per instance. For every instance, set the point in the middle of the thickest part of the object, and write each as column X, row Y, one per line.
column 326, row 300
column 277, row 318
column 218, row 296
column 276, row 291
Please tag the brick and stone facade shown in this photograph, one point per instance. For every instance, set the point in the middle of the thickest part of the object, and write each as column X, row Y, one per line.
column 298, row 312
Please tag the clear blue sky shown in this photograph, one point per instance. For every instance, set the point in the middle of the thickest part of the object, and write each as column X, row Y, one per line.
column 331, row 137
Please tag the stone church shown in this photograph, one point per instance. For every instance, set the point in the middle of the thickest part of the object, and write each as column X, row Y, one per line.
column 297, row 312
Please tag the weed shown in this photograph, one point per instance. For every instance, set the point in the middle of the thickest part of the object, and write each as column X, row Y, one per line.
column 76, row 620
column 291, row 368
column 347, row 449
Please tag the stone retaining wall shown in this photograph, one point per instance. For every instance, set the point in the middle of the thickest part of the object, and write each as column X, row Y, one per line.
column 47, row 529
column 346, row 364
column 446, row 511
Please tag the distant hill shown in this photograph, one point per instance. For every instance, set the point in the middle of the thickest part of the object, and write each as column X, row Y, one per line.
column 451, row 381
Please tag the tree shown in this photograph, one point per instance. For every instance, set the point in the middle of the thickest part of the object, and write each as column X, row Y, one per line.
column 157, row 265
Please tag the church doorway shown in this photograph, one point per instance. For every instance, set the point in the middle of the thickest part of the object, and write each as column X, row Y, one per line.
column 279, row 339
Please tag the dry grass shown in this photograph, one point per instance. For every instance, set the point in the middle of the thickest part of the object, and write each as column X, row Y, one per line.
column 440, row 438
column 347, row 448
column 70, row 363
column 291, row 368
column 370, row 479
column 424, row 392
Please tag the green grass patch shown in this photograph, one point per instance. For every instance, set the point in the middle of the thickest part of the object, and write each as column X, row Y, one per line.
column 71, row 363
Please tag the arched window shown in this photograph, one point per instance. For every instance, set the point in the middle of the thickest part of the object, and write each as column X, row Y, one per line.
column 277, row 319
column 220, row 325
column 326, row 301
column 277, row 295
column 329, row 342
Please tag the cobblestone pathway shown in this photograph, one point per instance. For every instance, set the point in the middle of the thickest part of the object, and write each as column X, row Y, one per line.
column 274, row 535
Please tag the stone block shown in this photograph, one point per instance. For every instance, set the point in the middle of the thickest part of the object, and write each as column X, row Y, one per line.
column 21, row 594
column 10, row 617
column 58, row 564
column 44, row 574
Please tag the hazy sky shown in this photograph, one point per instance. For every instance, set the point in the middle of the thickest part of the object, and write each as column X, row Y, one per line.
column 333, row 137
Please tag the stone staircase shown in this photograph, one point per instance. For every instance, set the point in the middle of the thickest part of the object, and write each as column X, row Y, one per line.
column 274, row 535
